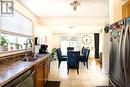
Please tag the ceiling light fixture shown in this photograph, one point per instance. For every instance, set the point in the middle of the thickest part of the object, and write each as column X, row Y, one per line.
column 75, row 4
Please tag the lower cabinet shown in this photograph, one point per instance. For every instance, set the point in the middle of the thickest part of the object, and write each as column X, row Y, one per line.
column 46, row 70
column 39, row 77
column 41, row 73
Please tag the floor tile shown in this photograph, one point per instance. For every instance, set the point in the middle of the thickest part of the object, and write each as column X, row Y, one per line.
column 91, row 77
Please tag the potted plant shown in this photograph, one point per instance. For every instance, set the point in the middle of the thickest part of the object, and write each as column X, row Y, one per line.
column 53, row 53
column 17, row 46
column 11, row 46
column 3, row 43
column 106, row 29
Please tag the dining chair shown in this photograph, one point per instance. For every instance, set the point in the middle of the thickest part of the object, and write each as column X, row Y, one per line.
column 82, row 50
column 70, row 49
column 73, row 60
column 85, row 56
column 60, row 56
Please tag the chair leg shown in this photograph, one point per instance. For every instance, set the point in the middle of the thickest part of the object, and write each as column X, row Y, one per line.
column 59, row 64
column 84, row 63
column 77, row 70
column 68, row 69
column 87, row 64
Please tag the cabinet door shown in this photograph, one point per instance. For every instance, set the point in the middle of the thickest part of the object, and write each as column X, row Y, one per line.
column 44, row 80
column 46, row 71
column 126, row 9
column 39, row 77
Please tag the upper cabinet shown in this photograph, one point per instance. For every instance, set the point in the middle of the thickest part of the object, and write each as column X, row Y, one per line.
column 17, row 24
column 126, row 9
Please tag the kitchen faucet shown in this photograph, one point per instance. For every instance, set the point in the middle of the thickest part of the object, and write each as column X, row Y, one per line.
column 31, row 41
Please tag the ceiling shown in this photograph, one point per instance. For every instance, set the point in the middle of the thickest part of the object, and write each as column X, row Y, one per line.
column 60, row 12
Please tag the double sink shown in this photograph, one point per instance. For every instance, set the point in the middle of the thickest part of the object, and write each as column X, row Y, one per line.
column 32, row 59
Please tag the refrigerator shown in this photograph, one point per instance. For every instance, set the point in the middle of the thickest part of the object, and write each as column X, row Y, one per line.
column 119, row 55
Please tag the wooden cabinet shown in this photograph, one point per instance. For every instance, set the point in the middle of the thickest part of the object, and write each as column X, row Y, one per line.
column 46, row 70
column 39, row 77
column 126, row 9
column 41, row 72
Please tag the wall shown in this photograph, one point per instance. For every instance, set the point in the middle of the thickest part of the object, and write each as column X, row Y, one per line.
column 105, row 54
column 44, row 36
column 115, row 10
column 23, row 10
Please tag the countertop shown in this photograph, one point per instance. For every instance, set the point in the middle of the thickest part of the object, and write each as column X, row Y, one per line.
column 9, row 71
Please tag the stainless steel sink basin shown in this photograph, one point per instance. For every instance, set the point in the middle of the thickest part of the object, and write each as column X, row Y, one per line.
column 31, row 59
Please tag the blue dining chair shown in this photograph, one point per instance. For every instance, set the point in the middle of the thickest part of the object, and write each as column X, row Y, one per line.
column 70, row 49
column 73, row 60
column 84, row 57
column 82, row 50
column 60, row 56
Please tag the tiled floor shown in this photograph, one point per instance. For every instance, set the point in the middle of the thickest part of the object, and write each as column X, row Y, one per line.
column 86, row 78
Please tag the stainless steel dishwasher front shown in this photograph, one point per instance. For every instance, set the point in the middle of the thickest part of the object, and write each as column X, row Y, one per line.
column 24, row 80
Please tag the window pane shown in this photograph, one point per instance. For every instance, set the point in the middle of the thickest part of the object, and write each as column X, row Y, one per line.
column 64, row 45
column 71, row 42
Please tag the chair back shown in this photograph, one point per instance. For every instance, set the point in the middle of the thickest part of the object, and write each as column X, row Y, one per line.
column 70, row 49
column 73, row 58
column 85, row 51
column 87, row 54
column 82, row 50
column 58, row 51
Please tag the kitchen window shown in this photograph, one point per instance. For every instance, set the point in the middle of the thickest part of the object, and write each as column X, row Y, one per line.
column 14, row 30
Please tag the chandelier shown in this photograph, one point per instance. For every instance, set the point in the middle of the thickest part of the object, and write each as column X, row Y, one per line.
column 75, row 4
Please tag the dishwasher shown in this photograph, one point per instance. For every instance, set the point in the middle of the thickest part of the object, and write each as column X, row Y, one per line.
column 24, row 80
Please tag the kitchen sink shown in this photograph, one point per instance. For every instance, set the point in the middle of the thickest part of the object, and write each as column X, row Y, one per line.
column 31, row 59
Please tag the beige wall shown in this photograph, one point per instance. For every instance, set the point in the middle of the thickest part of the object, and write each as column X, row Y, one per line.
column 115, row 10
column 44, row 36
column 20, row 8
column 105, row 53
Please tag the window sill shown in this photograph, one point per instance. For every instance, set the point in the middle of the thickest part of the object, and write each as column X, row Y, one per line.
column 6, row 53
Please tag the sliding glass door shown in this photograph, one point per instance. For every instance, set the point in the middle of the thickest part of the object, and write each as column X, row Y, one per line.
column 64, row 45
column 71, row 42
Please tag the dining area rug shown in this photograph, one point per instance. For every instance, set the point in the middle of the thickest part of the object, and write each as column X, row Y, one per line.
column 52, row 84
